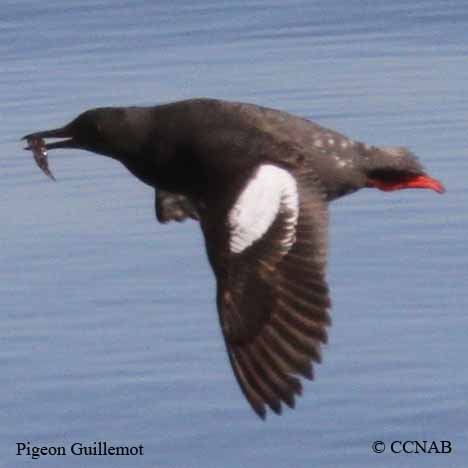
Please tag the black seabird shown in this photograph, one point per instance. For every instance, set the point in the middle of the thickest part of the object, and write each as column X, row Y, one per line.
column 259, row 181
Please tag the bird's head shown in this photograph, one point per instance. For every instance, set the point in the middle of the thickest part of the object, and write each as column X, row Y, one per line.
column 395, row 168
column 103, row 130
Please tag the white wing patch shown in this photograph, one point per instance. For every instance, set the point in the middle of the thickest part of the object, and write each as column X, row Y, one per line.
column 270, row 191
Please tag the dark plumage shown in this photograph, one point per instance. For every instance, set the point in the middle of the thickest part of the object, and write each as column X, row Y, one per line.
column 259, row 181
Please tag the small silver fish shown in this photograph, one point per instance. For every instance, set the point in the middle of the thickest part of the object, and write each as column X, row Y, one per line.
column 37, row 146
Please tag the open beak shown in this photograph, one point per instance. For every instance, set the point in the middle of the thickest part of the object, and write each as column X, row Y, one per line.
column 63, row 132
column 39, row 147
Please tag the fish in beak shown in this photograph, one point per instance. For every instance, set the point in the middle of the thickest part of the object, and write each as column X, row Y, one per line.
column 36, row 144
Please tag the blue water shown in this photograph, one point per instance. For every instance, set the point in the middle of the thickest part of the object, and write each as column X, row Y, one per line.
column 109, row 328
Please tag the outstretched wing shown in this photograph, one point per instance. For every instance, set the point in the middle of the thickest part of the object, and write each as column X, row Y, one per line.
column 173, row 206
column 272, row 295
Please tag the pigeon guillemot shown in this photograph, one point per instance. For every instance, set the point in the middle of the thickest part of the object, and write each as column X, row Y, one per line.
column 259, row 181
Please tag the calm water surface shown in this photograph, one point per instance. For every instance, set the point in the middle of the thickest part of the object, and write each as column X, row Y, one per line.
column 109, row 328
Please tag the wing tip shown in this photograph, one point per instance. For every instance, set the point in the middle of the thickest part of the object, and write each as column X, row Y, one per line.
column 260, row 411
